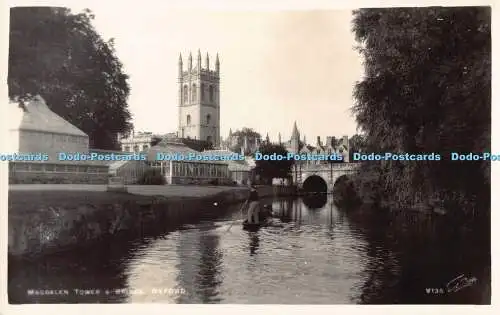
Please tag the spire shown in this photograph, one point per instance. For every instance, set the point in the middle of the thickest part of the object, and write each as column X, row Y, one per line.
column 304, row 140
column 230, row 132
column 295, row 132
column 180, row 65
column 279, row 137
column 217, row 64
column 190, row 62
column 207, row 62
column 198, row 63
column 267, row 137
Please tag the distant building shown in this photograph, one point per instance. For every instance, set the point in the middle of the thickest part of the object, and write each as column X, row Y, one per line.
column 199, row 100
column 137, row 142
column 249, row 144
column 295, row 145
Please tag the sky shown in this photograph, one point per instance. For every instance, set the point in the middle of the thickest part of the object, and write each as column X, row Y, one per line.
column 277, row 67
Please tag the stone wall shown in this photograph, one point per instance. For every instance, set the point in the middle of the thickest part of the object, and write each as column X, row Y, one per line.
column 200, row 181
column 57, row 173
column 51, row 228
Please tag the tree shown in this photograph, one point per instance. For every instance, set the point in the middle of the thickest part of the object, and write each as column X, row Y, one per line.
column 60, row 56
column 155, row 140
column 240, row 135
column 427, row 88
column 269, row 169
column 197, row 145
column 357, row 143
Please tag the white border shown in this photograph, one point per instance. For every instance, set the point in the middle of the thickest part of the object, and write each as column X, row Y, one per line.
column 231, row 309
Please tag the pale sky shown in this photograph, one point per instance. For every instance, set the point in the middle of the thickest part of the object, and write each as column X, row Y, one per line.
column 276, row 66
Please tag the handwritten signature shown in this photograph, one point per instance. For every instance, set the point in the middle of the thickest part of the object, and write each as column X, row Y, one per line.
column 459, row 283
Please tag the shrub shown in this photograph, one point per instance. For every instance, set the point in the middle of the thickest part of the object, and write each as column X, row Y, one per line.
column 152, row 177
column 345, row 194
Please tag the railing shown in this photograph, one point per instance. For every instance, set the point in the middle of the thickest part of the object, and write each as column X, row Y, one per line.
column 327, row 167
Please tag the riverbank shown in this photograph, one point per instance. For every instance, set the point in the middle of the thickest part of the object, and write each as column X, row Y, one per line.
column 44, row 219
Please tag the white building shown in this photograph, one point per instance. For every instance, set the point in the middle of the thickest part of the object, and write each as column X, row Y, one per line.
column 240, row 171
column 187, row 171
column 35, row 129
column 137, row 142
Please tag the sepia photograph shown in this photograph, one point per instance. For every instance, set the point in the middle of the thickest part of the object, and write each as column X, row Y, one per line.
column 195, row 156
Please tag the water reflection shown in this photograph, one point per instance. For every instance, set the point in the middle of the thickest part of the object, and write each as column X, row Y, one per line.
column 209, row 267
column 317, row 201
column 254, row 242
column 314, row 256
column 282, row 208
column 100, row 266
column 409, row 253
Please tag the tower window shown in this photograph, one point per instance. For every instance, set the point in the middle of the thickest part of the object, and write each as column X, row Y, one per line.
column 202, row 91
column 193, row 93
column 211, row 93
column 185, row 94
column 208, row 119
column 188, row 120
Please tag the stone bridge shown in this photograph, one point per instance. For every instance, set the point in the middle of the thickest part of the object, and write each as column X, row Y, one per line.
column 321, row 177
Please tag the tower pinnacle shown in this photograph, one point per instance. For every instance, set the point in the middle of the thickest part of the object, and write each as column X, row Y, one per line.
column 198, row 63
column 207, row 62
column 180, row 65
column 295, row 131
column 217, row 63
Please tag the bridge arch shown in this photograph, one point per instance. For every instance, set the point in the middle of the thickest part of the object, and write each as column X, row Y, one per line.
column 315, row 183
column 341, row 179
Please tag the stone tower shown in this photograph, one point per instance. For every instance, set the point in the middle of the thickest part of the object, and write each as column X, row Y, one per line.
column 199, row 102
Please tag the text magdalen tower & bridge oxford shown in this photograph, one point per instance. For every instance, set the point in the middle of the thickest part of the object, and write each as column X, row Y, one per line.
column 199, row 102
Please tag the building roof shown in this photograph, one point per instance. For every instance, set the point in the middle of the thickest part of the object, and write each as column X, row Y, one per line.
column 233, row 165
column 35, row 115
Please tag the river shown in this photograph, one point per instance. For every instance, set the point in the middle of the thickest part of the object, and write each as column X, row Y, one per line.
column 313, row 253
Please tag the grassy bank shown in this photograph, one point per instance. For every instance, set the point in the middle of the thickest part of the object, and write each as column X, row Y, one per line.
column 45, row 221
column 24, row 202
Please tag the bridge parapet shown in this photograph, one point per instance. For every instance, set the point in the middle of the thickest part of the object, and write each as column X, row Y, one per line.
column 330, row 173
